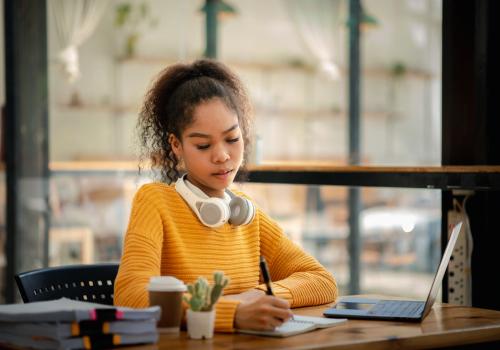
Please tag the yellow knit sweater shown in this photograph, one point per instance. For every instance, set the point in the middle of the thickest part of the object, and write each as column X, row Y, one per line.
column 164, row 237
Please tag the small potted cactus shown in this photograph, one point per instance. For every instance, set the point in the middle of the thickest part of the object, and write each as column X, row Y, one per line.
column 201, row 313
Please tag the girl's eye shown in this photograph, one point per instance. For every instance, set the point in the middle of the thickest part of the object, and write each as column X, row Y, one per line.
column 202, row 146
column 233, row 140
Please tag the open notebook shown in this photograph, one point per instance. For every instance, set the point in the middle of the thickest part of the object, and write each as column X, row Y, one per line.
column 299, row 324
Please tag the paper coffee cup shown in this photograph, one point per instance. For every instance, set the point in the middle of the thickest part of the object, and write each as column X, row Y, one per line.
column 166, row 292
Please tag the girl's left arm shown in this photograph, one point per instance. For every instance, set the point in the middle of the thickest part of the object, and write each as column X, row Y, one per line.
column 296, row 275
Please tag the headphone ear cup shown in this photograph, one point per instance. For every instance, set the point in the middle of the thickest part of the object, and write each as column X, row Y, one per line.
column 214, row 212
column 242, row 211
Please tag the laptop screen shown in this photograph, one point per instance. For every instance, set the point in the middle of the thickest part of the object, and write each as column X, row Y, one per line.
column 442, row 269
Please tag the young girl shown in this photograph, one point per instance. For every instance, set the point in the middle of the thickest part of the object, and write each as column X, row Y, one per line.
column 196, row 120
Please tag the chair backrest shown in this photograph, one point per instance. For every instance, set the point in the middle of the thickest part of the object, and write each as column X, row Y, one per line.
column 93, row 283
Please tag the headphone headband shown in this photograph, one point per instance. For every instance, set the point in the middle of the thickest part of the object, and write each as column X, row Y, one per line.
column 215, row 212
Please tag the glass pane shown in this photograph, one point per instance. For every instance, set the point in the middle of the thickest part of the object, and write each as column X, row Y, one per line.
column 117, row 60
column 400, row 232
column 293, row 58
column 401, row 82
column 89, row 216
column 297, row 74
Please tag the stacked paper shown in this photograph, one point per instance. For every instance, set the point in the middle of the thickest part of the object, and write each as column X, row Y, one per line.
column 71, row 324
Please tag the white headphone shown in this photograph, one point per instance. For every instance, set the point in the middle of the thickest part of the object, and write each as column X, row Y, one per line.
column 215, row 212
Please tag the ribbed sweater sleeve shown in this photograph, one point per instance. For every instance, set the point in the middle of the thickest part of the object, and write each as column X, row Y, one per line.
column 297, row 276
column 141, row 253
column 225, row 310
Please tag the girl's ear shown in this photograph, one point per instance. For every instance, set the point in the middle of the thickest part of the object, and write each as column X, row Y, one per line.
column 176, row 145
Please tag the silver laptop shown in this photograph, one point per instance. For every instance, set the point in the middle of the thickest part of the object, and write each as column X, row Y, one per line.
column 400, row 310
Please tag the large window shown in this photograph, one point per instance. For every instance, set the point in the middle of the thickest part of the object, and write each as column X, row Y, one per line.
column 293, row 57
column 400, row 232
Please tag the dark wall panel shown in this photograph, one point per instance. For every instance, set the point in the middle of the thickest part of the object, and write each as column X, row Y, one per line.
column 471, row 126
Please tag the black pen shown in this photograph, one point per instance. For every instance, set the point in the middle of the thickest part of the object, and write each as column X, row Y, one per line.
column 265, row 275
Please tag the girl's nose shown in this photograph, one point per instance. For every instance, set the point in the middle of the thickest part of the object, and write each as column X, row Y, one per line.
column 220, row 155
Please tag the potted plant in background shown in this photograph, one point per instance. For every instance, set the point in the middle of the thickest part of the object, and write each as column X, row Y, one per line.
column 133, row 18
column 201, row 313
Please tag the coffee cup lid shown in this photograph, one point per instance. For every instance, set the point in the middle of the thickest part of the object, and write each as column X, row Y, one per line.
column 166, row 283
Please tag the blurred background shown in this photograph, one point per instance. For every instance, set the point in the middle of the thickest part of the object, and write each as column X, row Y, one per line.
column 293, row 56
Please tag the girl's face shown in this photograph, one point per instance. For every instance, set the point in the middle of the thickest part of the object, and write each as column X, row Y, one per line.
column 211, row 147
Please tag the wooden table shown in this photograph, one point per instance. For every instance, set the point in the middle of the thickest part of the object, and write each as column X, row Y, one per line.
column 446, row 325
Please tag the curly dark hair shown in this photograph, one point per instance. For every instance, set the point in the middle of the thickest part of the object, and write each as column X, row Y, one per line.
column 169, row 105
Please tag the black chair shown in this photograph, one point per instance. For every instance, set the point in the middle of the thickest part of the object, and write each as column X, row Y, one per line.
column 93, row 283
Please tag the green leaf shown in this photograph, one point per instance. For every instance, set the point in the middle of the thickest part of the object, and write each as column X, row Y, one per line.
column 122, row 14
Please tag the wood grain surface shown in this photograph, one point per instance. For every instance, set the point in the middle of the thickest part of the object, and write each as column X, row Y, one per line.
column 446, row 325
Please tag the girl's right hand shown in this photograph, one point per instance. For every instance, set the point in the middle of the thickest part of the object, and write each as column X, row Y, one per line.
column 265, row 312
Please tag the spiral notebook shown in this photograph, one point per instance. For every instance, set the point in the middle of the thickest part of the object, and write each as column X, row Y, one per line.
column 299, row 324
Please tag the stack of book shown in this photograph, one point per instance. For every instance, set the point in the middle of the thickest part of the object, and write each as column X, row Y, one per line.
column 71, row 324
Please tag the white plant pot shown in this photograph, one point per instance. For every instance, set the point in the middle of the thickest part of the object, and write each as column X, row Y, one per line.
column 200, row 324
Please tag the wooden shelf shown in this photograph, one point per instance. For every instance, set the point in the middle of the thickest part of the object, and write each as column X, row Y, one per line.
column 285, row 112
column 329, row 167
column 316, row 113
column 117, row 110
column 107, row 168
column 432, row 177
column 372, row 72
column 98, row 108
column 126, row 165
column 324, row 173
column 146, row 60
column 287, row 166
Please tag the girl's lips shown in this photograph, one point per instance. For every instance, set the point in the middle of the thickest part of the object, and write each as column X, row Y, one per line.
column 223, row 175
column 223, row 172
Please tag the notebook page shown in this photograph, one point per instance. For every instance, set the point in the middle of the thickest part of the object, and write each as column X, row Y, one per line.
column 320, row 322
column 288, row 328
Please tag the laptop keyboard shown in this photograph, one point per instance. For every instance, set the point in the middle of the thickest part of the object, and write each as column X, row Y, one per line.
column 400, row 308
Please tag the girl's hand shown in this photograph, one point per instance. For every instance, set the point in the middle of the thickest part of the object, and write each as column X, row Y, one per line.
column 264, row 312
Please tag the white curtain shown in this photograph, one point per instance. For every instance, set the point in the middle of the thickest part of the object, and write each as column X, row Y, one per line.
column 75, row 21
column 317, row 24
